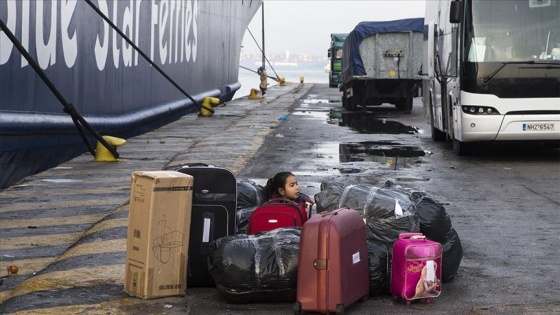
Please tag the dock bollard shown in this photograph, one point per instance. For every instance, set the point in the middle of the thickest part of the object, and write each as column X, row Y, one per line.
column 102, row 154
column 254, row 94
column 207, row 104
column 300, row 79
column 281, row 81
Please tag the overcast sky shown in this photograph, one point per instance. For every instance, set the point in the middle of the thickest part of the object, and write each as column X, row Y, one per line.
column 304, row 26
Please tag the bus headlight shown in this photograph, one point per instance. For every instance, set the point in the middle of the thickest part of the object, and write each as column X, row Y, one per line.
column 479, row 110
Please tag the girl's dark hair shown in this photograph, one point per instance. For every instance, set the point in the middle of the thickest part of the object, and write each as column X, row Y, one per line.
column 278, row 181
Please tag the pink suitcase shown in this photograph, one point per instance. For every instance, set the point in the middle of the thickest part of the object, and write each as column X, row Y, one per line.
column 415, row 268
column 333, row 268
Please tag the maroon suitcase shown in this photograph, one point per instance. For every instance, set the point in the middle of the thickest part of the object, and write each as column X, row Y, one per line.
column 275, row 214
column 333, row 269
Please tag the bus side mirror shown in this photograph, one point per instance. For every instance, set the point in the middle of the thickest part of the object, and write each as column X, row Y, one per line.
column 456, row 11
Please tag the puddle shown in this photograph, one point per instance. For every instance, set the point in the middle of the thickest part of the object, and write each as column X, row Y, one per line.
column 61, row 180
column 320, row 101
column 322, row 115
column 388, row 153
column 368, row 123
column 315, row 105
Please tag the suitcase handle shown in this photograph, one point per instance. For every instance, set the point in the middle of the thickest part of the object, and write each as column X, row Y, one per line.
column 282, row 201
column 413, row 236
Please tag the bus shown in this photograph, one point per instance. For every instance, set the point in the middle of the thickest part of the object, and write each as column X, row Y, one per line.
column 491, row 71
column 335, row 58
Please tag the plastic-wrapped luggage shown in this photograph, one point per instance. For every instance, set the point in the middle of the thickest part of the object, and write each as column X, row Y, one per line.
column 250, row 196
column 389, row 213
column 421, row 212
column 379, row 258
column 329, row 196
column 256, row 268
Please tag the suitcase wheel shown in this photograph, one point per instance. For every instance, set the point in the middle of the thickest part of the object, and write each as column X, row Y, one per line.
column 407, row 302
column 340, row 309
column 427, row 300
column 297, row 308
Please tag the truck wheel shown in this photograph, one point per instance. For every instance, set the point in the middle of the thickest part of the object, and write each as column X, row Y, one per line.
column 405, row 104
column 344, row 101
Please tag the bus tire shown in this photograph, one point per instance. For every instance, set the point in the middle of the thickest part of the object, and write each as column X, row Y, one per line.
column 437, row 135
column 461, row 148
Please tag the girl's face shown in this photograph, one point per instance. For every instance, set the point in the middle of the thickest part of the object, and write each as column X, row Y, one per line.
column 291, row 189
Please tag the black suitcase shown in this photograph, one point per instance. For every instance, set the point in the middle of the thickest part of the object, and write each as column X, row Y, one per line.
column 213, row 216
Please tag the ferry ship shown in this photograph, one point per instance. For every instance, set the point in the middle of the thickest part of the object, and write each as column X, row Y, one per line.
column 71, row 71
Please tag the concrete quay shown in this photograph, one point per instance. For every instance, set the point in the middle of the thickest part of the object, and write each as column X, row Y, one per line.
column 65, row 228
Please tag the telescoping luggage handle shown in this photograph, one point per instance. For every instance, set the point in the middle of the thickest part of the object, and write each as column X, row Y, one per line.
column 412, row 236
column 281, row 201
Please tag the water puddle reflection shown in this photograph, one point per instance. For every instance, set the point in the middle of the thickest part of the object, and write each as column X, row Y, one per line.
column 384, row 152
column 369, row 123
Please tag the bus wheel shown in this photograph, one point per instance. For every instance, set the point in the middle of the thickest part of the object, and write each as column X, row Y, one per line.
column 437, row 135
column 461, row 148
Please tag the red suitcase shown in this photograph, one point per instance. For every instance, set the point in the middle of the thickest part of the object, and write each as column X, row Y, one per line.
column 415, row 268
column 333, row 269
column 275, row 214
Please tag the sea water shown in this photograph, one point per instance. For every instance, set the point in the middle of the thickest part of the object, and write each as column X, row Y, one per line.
column 311, row 74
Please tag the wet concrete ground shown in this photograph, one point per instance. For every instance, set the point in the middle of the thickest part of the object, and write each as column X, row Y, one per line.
column 66, row 228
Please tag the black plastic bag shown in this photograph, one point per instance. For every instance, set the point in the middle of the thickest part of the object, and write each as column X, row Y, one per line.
column 379, row 268
column 329, row 196
column 249, row 194
column 389, row 213
column 357, row 196
column 452, row 256
column 256, row 268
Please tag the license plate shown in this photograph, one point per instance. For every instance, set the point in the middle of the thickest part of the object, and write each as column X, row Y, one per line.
column 538, row 127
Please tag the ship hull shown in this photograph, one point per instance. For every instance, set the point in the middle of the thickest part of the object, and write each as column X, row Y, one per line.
column 117, row 91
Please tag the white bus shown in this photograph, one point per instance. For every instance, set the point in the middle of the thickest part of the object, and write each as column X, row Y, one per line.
column 491, row 71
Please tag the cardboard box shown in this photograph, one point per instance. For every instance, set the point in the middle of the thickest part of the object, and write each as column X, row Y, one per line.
column 158, row 234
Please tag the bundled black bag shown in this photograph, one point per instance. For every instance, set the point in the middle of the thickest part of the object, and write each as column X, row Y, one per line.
column 379, row 268
column 389, row 213
column 436, row 225
column 329, row 196
column 250, row 196
column 256, row 268
column 356, row 197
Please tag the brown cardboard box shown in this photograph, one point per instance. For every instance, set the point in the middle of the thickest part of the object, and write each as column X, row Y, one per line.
column 158, row 234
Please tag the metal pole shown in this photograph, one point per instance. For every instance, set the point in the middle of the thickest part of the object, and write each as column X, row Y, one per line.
column 263, row 51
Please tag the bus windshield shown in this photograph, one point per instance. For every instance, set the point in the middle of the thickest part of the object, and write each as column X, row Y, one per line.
column 513, row 30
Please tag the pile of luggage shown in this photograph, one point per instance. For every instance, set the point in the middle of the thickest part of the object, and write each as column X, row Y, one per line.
column 261, row 251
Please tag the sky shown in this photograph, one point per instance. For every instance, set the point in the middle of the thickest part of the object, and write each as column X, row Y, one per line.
column 304, row 26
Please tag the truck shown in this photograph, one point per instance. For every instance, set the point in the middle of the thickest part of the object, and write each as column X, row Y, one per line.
column 335, row 58
column 381, row 63
column 492, row 72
